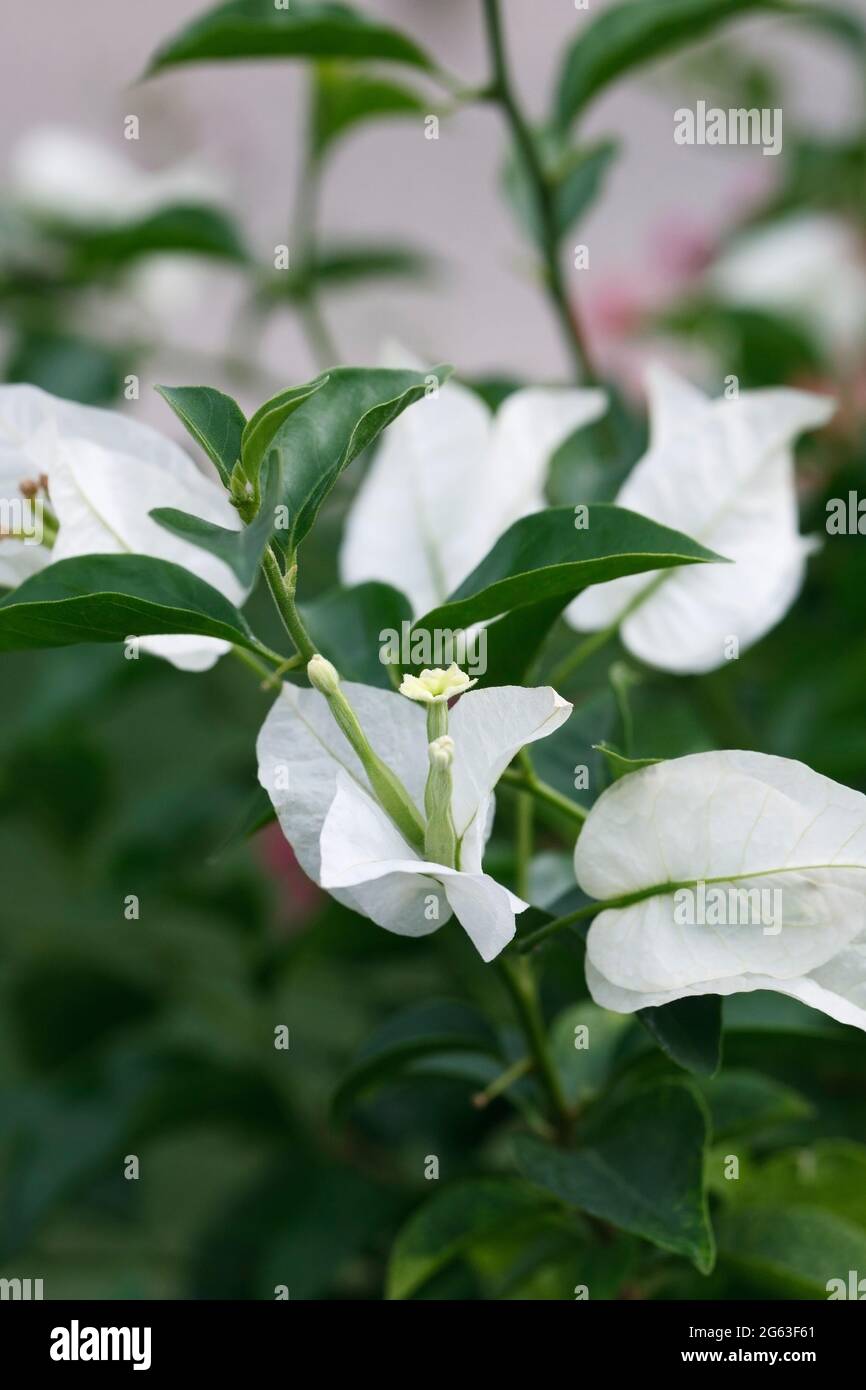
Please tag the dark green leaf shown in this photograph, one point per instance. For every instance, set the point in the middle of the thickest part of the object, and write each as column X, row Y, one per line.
column 241, row 550
column 641, row 1168
column 447, row 1225
column 347, row 626
column 632, row 33
column 584, row 1040
column 263, row 425
column 434, row 1027
column 340, row 419
column 68, row 366
column 343, row 98
column 214, row 420
column 547, row 556
column 342, row 266
column 107, row 598
column 299, row 29
column 689, row 1031
column 190, row 230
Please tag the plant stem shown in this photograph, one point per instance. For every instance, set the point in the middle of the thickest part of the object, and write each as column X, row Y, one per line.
column 541, row 791
column 501, row 90
column 282, row 589
column 519, row 979
column 502, row 1083
column 527, row 943
column 523, row 842
column 258, row 667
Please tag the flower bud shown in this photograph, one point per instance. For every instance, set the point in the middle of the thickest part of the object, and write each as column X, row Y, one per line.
column 323, row 675
column 441, row 752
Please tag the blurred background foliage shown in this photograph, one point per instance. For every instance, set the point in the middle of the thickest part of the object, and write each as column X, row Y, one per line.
column 154, row 1037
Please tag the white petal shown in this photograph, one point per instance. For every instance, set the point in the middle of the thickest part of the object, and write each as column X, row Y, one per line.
column 401, row 527
column 724, row 477
column 489, row 727
column 300, row 750
column 444, row 458
column 737, row 821
column 485, row 910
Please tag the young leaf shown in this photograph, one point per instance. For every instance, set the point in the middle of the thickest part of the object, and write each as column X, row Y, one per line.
column 107, row 598
column 641, row 1168
column 337, row 422
column 241, row 550
column 547, row 556
column 451, row 1221
column 629, row 34
column 343, row 97
column 797, row 1251
column 303, row 29
column 214, row 420
column 619, row 764
column 263, row 425
column 575, row 176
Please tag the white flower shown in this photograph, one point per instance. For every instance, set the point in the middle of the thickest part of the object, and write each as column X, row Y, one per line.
column 741, row 824
column 61, row 173
column 808, row 267
column 105, row 474
column 437, row 686
column 449, row 478
column 343, row 839
column 722, row 472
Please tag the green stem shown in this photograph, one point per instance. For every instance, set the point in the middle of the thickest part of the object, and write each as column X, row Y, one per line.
column 541, row 791
column 519, row 980
column 581, row 653
column 527, row 943
column 501, row 90
column 502, row 1083
column 523, row 843
column 258, row 667
column 282, row 589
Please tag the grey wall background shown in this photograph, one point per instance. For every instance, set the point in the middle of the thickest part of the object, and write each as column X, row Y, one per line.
column 77, row 63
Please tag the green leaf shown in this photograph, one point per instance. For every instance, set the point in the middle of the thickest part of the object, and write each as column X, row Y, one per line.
column 346, row 626
column 796, row 1250
column 263, row 425
column 107, row 598
column 184, row 229
column 619, row 764
column 241, row 550
column 641, row 1169
column 447, row 1226
column 689, row 1031
column 337, row 422
column 583, row 1040
column 68, row 366
column 742, row 1102
column 436, row 1026
column 576, row 177
column 343, row 98
column 546, row 556
column 628, row 35
column 830, row 1174
column 341, row 266
column 214, row 420
column 259, row 29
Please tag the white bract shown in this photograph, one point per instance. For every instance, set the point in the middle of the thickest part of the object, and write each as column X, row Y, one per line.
column 722, row 472
column 743, row 823
column 58, row 172
column 105, row 474
column 449, row 478
column 345, row 841
column 808, row 267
